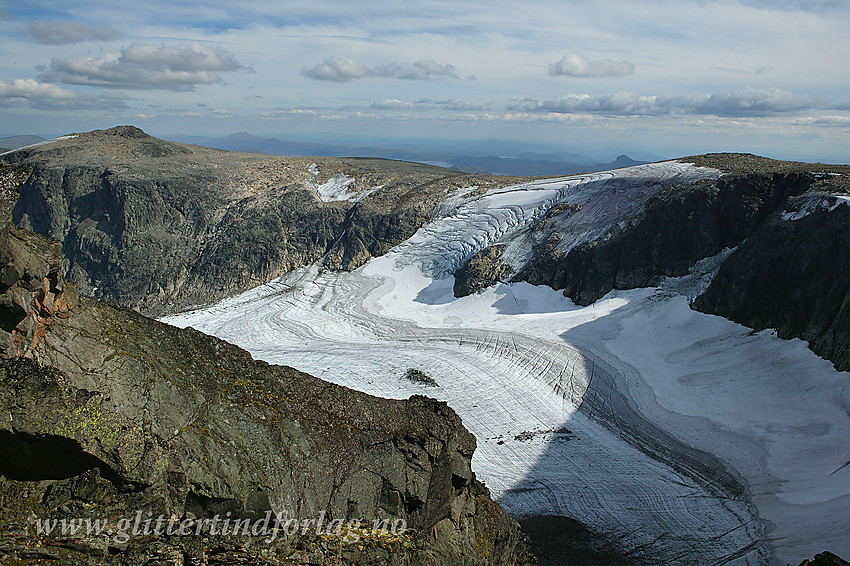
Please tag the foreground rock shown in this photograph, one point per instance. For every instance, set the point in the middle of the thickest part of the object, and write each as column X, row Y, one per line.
column 159, row 226
column 108, row 415
column 825, row 559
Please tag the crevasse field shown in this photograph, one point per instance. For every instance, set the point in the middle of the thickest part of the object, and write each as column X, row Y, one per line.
column 683, row 437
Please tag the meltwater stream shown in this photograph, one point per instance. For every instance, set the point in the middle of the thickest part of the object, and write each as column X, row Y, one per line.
column 682, row 437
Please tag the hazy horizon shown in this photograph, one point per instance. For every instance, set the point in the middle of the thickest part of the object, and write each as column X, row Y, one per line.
column 667, row 77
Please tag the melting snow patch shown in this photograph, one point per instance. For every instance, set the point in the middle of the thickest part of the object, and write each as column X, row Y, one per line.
column 814, row 202
column 700, row 276
column 45, row 142
column 335, row 189
column 365, row 194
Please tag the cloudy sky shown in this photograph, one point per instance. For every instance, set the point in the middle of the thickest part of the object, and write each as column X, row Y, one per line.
column 672, row 77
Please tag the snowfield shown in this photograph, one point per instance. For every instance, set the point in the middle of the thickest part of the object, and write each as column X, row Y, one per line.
column 814, row 201
column 685, row 438
column 45, row 142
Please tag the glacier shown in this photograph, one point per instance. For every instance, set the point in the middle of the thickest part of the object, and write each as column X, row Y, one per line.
column 682, row 437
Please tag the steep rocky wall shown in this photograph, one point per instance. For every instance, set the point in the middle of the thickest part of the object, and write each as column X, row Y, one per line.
column 105, row 413
column 480, row 271
column 793, row 276
column 786, row 275
column 679, row 226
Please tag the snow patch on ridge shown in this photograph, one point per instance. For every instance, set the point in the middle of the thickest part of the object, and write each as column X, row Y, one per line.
column 45, row 142
column 335, row 189
column 813, row 202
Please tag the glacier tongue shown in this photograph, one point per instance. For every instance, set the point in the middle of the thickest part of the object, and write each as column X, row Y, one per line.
column 632, row 415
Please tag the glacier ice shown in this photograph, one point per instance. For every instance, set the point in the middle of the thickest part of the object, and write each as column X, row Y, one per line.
column 692, row 440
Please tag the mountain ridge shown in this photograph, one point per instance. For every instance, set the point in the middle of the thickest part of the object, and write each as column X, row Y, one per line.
column 73, row 187
column 224, row 222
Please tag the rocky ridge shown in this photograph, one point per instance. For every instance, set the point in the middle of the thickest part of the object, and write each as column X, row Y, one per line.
column 160, row 226
column 109, row 414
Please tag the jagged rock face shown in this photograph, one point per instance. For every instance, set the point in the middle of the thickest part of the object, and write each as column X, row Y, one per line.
column 480, row 271
column 786, row 275
column 32, row 290
column 159, row 226
column 116, row 413
column 678, row 227
column 825, row 559
column 791, row 276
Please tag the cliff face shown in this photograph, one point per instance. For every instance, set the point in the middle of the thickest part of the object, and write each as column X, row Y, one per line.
column 107, row 414
column 480, row 271
column 678, row 227
column 791, row 276
column 159, row 226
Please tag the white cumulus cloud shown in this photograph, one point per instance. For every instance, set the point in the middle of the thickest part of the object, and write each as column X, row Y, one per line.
column 418, row 70
column 742, row 103
column 393, row 104
column 146, row 67
column 45, row 96
column 337, row 69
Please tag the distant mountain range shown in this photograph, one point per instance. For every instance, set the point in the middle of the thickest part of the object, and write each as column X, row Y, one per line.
column 14, row 142
column 487, row 156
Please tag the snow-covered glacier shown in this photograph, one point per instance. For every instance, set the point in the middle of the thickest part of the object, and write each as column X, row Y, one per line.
column 683, row 437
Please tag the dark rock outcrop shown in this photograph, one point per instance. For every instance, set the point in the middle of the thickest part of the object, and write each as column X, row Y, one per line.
column 560, row 540
column 106, row 415
column 825, row 559
column 159, row 226
column 480, row 271
column 791, row 276
column 679, row 226
column 786, row 275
